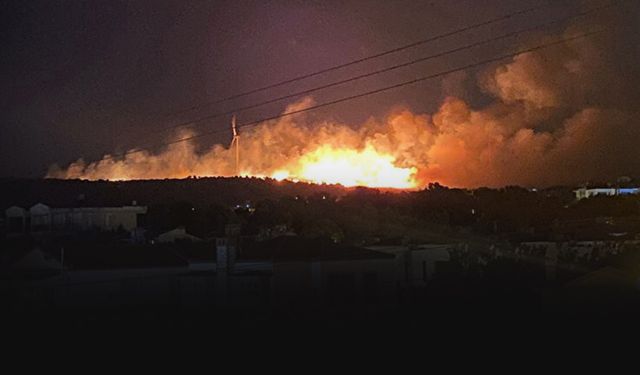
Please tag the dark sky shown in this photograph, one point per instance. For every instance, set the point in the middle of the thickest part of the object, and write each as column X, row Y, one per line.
column 84, row 78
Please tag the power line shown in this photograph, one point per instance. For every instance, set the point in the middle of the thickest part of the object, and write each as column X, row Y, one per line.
column 391, row 68
column 367, row 58
column 385, row 70
column 353, row 62
column 368, row 93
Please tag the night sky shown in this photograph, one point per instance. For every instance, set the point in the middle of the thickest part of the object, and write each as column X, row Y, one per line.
column 85, row 78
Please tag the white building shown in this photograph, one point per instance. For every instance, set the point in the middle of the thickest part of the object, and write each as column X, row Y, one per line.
column 176, row 235
column 583, row 193
column 16, row 219
column 41, row 218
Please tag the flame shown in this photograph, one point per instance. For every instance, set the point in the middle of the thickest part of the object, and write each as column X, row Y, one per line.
column 350, row 167
column 280, row 175
column 550, row 121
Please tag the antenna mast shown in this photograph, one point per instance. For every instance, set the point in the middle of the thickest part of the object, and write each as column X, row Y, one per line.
column 236, row 141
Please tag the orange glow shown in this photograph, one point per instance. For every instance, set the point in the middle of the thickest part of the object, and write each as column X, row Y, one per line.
column 350, row 167
column 280, row 175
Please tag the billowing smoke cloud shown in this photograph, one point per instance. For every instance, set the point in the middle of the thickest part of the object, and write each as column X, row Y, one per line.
column 564, row 115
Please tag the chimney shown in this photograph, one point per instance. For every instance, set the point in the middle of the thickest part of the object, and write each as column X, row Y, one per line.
column 225, row 253
column 80, row 200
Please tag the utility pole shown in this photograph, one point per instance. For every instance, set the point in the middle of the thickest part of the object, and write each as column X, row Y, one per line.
column 62, row 260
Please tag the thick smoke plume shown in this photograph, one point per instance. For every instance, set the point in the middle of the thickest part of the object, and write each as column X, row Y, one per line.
column 564, row 115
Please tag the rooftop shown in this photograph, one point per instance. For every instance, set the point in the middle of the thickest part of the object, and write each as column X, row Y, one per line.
column 294, row 248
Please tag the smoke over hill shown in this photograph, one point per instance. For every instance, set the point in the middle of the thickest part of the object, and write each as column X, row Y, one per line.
column 563, row 115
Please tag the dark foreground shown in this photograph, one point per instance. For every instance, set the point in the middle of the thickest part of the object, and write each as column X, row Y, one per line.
column 194, row 305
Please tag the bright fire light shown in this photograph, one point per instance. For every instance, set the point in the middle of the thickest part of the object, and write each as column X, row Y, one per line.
column 350, row 167
column 280, row 175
